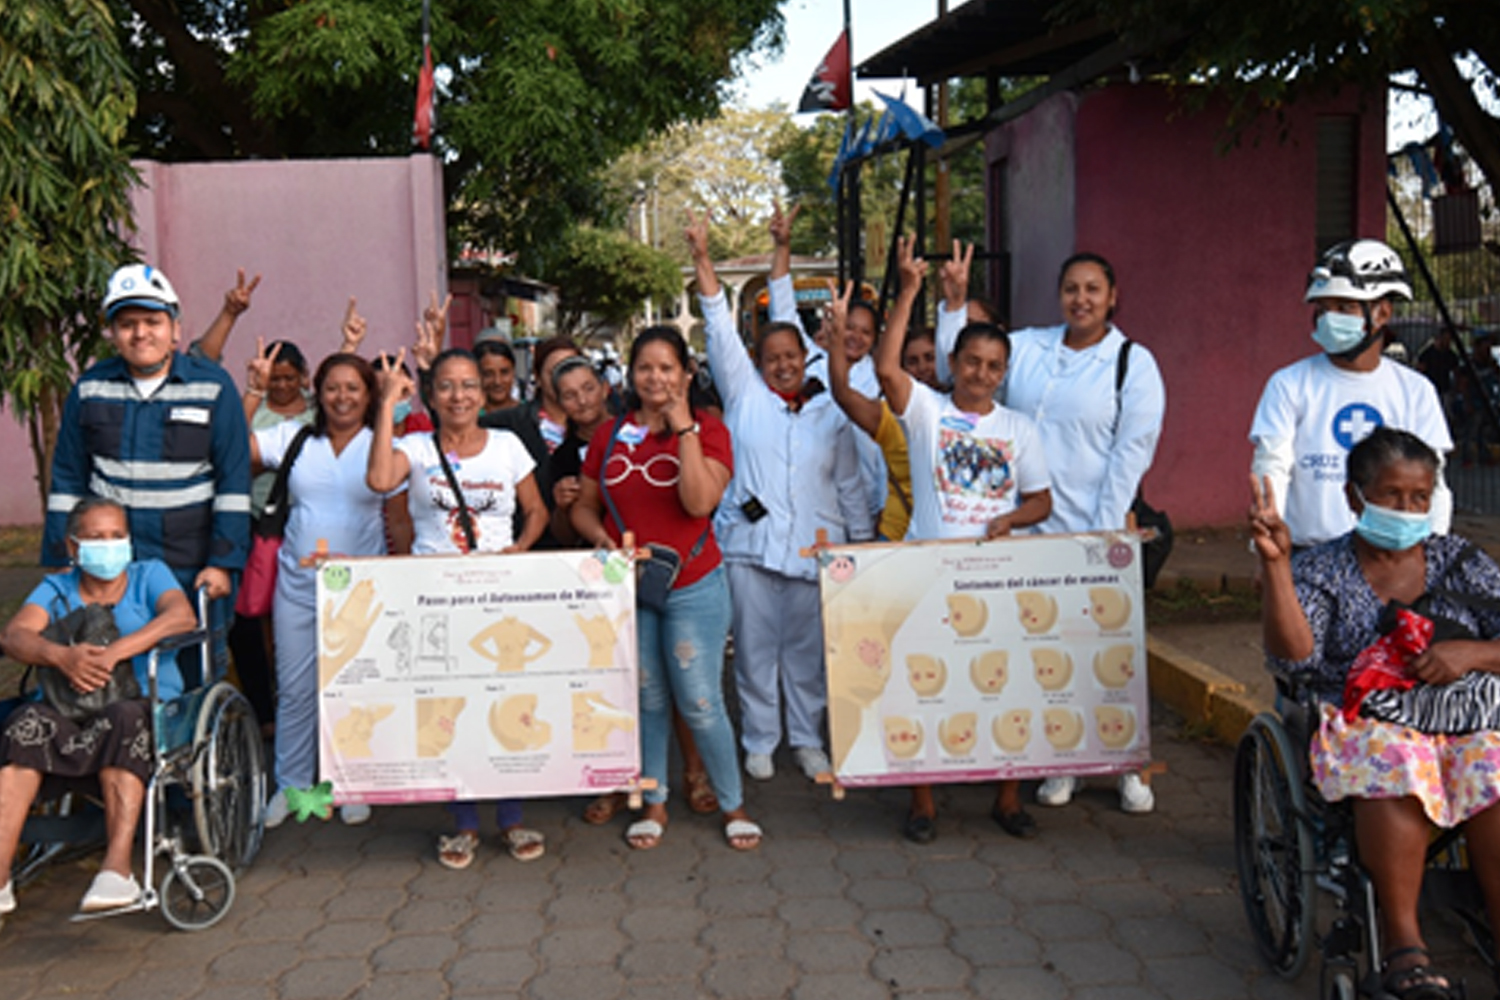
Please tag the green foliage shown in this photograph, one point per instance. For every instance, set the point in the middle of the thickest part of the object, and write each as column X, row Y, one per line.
column 605, row 277
column 1268, row 53
column 722, row 166
column 65, row 101
column 535, row 97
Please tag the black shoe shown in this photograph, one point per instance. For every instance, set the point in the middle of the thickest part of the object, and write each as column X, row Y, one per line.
column 1017, row 824
column 919, row 829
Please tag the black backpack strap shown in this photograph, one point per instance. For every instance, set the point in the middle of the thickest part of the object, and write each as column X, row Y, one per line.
column 465, row 521
column 1122, row 365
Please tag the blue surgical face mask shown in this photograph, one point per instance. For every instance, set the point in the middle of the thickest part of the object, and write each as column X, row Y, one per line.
column 403, row 410
column 1338, row 332
column 103, row 558
column 1394, row 530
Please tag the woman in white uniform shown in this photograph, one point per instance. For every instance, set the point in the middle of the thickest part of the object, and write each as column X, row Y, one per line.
column 330, row 502
column 796, row 471
column 1099, row 438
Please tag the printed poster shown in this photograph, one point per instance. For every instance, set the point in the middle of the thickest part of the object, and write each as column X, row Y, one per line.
column 477, row 677
column 977, row 661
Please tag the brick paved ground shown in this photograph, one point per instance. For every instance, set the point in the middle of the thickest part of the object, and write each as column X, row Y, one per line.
column 834, row 905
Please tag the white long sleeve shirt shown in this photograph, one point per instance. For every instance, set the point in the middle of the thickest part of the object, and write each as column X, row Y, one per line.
column 862, row 379
column 1098, row 444
column 801, row 465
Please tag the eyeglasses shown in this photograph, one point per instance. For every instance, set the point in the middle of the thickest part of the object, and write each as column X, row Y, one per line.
column 658, row 470
column 452, row 388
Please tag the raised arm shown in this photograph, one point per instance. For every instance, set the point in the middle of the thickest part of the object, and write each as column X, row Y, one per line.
column 701, row 481
column 236, row 301
column 1286, row 632
column 895, row 383
column 953, row 310
column 733, row 371
column 861, row 410
column 352, row 331
column 258, row 376
column 388, row 467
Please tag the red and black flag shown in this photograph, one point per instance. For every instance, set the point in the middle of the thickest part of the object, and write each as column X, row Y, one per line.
column 828, row 90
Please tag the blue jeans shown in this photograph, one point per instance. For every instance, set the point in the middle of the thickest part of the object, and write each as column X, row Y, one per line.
column 466, row 814
column 682, row 661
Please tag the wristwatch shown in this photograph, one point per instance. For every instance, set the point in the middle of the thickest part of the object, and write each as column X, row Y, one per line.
column 692, row 428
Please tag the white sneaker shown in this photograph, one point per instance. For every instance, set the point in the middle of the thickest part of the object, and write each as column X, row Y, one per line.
column 1056, row 791
column 7, row 898
column 759, row 766
column 813, row 762
column 1135, row 795
column 110, row 891
column 354, row 814
column 276, row 810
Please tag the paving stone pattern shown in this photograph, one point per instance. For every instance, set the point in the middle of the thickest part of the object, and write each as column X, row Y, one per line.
column 834, row 905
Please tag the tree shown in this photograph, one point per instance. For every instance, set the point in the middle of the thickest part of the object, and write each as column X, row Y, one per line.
column 723, row 165
column 605, row 277
column 65, row 182
column 536, row 96
column 1267, row 53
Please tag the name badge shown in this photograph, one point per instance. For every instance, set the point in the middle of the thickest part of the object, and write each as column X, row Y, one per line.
column 189, row 415
column 632, row 434
column 959, row 421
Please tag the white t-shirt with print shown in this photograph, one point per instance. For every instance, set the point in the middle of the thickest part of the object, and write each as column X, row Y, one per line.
column 1312, row 412
column 488, row 481
column 966, row 468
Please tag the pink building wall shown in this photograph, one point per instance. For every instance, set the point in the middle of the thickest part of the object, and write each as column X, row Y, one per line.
column 1211, row 249
column 317, row 231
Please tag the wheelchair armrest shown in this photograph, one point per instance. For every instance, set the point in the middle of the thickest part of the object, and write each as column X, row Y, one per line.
column 182, row 640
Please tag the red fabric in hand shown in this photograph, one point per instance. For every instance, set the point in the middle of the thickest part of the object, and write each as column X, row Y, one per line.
column 1382, row 665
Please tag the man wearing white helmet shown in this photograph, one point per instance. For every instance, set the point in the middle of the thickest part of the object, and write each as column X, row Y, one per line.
column 1312, row 412
column 160, row 433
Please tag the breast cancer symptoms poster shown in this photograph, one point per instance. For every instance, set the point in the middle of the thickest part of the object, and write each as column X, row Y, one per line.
column 477, row 677
column 975, row 661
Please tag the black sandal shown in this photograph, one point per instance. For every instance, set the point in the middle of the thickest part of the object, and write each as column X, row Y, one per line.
column 920, row 829
column 1419, row 981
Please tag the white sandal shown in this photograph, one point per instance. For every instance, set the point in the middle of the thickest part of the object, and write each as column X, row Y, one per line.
column 644, row 829
column 457, row 852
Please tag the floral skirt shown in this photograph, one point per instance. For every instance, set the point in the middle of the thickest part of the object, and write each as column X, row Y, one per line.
column 1453, row 776
column 38, row 737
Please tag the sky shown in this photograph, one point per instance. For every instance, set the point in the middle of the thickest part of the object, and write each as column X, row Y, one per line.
column 812, row 26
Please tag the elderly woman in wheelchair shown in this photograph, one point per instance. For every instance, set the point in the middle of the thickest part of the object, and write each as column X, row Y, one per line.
column 40, row 739
column 1393, row 629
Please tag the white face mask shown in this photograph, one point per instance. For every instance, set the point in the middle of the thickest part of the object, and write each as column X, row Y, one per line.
column 1339, row 333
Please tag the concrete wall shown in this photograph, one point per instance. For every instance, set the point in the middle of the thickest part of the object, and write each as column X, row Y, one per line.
column 317, row 231
column 1039, row 163
column 1211, row 248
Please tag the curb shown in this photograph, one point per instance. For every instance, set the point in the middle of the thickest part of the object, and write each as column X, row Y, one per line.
column 1199, row 692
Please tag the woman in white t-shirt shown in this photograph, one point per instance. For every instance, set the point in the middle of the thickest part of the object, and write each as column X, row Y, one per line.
column 977, row 469
column 494, row 474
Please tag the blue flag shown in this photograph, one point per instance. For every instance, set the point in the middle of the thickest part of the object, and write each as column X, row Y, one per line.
column 912, row 123
column 839, row 158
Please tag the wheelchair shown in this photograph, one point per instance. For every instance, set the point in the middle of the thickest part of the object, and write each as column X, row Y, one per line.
column 1290, row 844
column 204, row 804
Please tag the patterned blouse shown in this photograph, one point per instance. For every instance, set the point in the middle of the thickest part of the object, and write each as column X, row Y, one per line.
column 1345, row 613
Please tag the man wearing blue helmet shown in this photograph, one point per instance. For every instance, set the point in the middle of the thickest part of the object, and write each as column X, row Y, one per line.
column 163, row 435
column 1314, row 411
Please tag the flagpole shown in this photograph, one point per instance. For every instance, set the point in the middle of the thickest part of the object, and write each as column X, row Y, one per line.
column 849, row 258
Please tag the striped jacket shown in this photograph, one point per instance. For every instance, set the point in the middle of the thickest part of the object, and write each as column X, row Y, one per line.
column 179, row 462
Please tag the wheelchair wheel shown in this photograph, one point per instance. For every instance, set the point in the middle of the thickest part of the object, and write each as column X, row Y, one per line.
column 228, row 778
column 1273, row 846
column 196, row 893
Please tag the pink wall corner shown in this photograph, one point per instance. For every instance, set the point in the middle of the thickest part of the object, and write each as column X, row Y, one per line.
column 1037, row 150
column 317, row 231
column 1211, row 249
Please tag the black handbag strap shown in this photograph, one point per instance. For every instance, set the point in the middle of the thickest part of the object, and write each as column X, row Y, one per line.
column 614, row 512
column 465, row 521
column 272, row 523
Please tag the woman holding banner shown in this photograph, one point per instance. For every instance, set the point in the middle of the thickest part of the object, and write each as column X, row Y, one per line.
column 658, row 471
column 464, row 484
column 329, row 503
column 977, row 468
